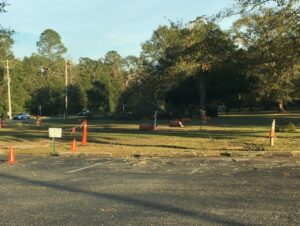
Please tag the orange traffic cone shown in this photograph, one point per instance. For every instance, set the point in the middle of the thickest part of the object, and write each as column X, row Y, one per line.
column 84, row 136
column 11, row 156
column 74, row 147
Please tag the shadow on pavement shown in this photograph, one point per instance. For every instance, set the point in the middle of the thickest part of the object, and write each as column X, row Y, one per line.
column 127, row 200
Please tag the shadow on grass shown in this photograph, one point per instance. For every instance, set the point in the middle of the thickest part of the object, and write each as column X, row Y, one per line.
column 123, row 199
column 30, row 132
column 214, row 134
column 142, row 145
column 222, row 120
column 42, row 133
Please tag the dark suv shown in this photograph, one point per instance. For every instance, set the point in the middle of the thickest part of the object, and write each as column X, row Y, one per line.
column 84, row 112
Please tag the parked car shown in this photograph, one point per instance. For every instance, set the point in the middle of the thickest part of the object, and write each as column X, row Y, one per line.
column 84, row 112
column 21, row 116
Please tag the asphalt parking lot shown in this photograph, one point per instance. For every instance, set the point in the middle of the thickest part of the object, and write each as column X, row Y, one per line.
column 149, row 191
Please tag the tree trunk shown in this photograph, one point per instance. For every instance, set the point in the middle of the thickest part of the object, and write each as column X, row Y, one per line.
column 202, row 93
column 281, row 107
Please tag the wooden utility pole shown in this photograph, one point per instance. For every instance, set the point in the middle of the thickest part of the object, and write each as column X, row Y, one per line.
column 9, row 113
column 66, row 88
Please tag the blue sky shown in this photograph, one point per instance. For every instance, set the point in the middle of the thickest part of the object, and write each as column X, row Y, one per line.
column 90, row 28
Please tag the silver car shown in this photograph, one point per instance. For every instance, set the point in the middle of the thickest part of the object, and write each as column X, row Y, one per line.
column 22, row 116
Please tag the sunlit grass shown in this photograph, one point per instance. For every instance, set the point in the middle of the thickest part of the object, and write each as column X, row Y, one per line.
column 227, row 133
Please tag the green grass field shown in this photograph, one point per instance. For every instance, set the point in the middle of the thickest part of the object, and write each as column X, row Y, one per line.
column 247, row 134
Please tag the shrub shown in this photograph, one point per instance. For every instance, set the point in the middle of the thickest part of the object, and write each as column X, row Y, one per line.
column 290, row 128
column 284, row 126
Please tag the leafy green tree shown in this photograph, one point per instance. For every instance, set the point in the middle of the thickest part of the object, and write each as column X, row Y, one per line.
column 50, row 45
column 116, row 62
column 20, row 93
column 2, row 6
column 108, row 75
column 37, row 82
column 271, row 36
column 131, row 71
column 115, row 66
column 182, row 51
column 6, row 43
column 87, row 71
column 44, row 74
column 207, row 47
column 247, row 7
column 51, row 101
column 132, row 74
column 77, row 99
column 183, row 98
column 98, row 97
column 147, row 77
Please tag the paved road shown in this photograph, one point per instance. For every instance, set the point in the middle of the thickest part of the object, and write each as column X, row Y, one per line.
column 103, row 191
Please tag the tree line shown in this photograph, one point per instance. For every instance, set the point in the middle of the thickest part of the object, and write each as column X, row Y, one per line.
column 184, row 68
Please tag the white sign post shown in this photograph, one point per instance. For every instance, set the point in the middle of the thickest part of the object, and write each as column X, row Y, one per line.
column 54, row 133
